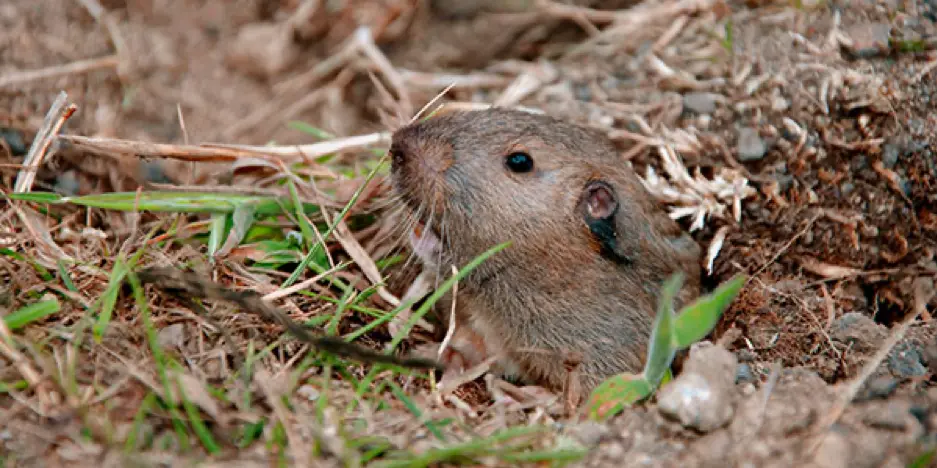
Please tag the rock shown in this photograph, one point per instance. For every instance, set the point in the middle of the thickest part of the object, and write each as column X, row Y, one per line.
column 263, row 49
column 868, row 39
column 308, row 392
column 905, row 361
column 829, row 453
column 589, row 433
column 930, row 357
column 153, row 171
column 890, row 153
column 858, row 330
column 172, row 336
column 701, row 396
column 878, row 388
column 744, row 373
column 67, row 184
column 701, row 103
column 892, row 416
column 14, row 140
column 751, row 147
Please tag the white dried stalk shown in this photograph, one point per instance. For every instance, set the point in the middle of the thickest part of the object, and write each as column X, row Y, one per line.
column 695, row 196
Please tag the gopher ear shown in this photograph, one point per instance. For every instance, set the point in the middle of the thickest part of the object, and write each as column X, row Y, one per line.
column 600, row 201
column 599, row 206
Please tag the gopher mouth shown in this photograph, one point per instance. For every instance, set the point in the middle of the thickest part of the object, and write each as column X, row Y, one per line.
column 425, row 244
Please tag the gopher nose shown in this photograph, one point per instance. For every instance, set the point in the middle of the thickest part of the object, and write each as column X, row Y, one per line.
column 417, row 156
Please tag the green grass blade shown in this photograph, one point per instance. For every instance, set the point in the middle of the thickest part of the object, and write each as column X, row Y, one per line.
column 31, row 313
column 195, row 419
column 36, row 197
column 109, row 299
column 130, row 444
column 66, row 278
column 305, row 227
column 443, row 289
column 304, row 127
column 699, row 318
column 417, row 414
column 172, row 202
column 325, row 237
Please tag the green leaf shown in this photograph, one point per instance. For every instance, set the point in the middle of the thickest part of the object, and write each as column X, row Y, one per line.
column 615, row 394
column 31, row 313
column 660, row 349
column 216, row 233
column 241, row 221
column 924, row 460
column 699, row 318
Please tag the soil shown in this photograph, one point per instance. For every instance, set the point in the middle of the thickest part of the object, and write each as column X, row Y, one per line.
column 826, row 109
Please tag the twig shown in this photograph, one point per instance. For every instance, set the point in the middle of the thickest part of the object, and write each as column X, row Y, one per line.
column 369, row 48
column 786, row 246
column 452, row 318
column 8, row 349
column 73, row 68
column 275, row 399
column 55, row 118
column 631, row 20
column 209, row 152
column 417, row 79
column 97, row 11
column 852, row 388
column 279, row 293
column 575, row 13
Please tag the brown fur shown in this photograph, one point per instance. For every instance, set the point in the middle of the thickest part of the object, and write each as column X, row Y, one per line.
column 552, row 290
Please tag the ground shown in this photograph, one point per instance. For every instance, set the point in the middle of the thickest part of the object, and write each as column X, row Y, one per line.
column 807, row 130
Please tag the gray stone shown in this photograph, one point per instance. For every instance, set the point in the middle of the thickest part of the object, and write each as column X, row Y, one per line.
column 869, row 39
column 701, row 103
column 906, row 360
column 172, row 336
column 751, row 147
column 701, row 397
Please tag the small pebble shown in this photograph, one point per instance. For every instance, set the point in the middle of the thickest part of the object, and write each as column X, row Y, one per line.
column 744, row 373
column 858, row 330
column 751, row 147
column 701, row 103
column 869, row 39
column 308, row 392
column 589, row 433
column 701, row 397
column 905, row 361
column 890, row 153
column 891, row 416
column 878, row 388
column 13, row 139
column 67, row 184
column 172, row 336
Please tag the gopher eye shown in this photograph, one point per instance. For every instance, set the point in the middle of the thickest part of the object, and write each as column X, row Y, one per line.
column 519, row 162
